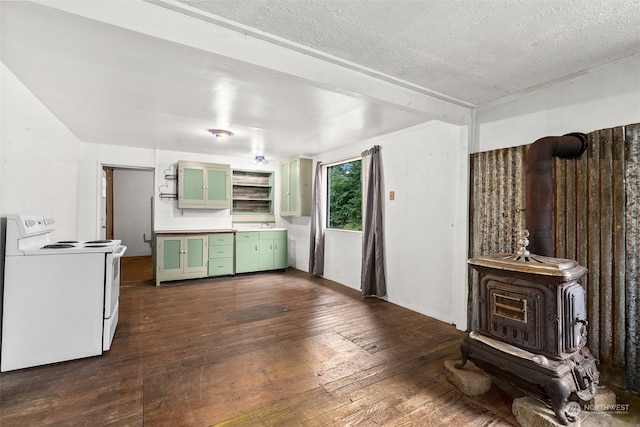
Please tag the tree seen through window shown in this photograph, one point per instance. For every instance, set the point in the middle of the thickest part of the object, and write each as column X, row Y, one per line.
column 344, row 206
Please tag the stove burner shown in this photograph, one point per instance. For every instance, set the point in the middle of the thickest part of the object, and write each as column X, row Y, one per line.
column 90, row 242
column 95, row 246
column 58, row 246
column 67, row 241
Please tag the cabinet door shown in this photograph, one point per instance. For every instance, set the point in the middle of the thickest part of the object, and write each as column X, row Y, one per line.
column 295, row 192
column 280, row 253
column 217, row 189
column 266, row 254
column 196, row 254
column 247, row 256
column 285, row 182
column 289, row 194
column 204, row 185
column 169, row 251
column 192, row 185
column 294, row 170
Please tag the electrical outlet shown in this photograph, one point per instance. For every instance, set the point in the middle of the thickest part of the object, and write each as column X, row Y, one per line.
column 392, row 195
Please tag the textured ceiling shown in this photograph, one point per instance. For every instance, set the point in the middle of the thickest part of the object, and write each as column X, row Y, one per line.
column 159, row 73
column 476, row 51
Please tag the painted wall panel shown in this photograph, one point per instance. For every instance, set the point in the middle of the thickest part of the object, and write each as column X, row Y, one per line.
column 41, row 159
column 425, row 262
column 596, row 101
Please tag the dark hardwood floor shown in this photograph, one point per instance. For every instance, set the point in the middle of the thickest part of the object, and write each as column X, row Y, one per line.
column 279, row 348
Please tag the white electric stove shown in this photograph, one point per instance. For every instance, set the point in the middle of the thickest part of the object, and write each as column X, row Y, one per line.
column 60, row 299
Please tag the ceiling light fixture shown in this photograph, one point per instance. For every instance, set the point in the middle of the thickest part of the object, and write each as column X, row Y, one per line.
column 260, row 160
column 220, row 134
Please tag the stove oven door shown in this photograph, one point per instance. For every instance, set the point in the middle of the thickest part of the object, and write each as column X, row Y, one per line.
column 513, row 313
column 111, row 295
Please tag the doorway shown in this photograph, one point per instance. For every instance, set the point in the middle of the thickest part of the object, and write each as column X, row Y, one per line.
column 127, row 212
column 127, row 215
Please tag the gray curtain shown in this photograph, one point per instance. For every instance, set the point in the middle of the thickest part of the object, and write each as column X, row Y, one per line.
column 316, row 248
column 372, row 277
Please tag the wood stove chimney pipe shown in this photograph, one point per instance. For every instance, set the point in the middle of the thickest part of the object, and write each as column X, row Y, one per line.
column 539, row 186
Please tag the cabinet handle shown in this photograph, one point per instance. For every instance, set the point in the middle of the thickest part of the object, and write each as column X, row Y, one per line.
column 256, row 247
column 270, row 246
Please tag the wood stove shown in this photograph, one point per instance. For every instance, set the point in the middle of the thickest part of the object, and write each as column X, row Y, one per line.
column 532, row 327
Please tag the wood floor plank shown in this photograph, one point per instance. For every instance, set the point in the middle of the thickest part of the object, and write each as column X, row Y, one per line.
column 272, row 349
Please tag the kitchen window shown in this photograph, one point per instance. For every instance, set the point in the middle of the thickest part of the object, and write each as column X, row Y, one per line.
column 344, row 196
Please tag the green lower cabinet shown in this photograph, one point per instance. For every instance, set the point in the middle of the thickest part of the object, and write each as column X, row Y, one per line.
column 170, row 251
column 220, row 267
column 266, row 254
column 196, row 254
column 220, row 254
column 261, row 251
column 273, row 250
column 180, row 257
column 247, row 251
column 280, row 253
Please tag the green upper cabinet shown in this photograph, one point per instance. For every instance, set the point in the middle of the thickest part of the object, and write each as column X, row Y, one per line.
column 295, row 188
column 204, row 185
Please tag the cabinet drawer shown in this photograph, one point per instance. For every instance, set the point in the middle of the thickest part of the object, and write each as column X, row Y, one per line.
column 221, row 251
column 247, row 236
column 277, row 234
column 221, row 239
column 220, row 267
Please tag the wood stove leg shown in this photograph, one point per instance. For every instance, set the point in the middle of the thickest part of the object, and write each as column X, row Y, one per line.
column 559, row 392
column 464, row 351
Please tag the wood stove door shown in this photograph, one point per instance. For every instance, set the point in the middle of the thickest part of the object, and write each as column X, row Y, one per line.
column 514, row 314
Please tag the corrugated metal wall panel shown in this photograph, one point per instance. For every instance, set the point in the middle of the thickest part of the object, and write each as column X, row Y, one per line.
column 632, row 246
column 497, row 208
column 597, row 223
column 592, row 225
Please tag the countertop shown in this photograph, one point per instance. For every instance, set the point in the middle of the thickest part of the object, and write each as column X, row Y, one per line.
column 217, row 230
column 201, row 231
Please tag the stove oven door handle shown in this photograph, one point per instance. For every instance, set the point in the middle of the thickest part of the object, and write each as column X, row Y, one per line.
column 119, row 252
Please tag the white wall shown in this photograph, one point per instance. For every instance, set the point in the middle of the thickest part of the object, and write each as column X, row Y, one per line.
column 600, row 100
column 41, row 159
column 425, row 226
